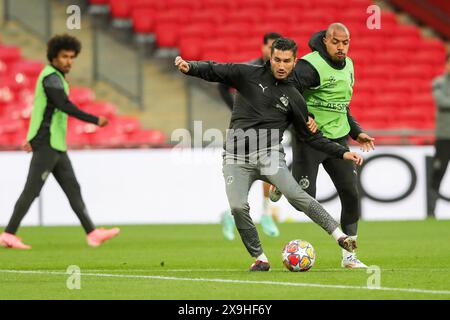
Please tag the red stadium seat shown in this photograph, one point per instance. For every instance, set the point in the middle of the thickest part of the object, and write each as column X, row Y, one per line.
column 158, row 5
column 233, row 30
column 397, row 86
column 167, row 35
column 144, row 19
column 173, row 16
column 210, row 16
column 223, row 44
column 31, row 68
column 126, row 125
column 81, row 95
column 244, row 56
column 204, row 30
column 251, row 44
column 217, row 56
column 361, row 100
column 191, row 47
column 184, row 4
column 262, row 28
column 221, row 5
column 416, row 71
column 408, row 31
column 10, row 54
column 353, row 16
column 255, row 5
column 121, row 9
column 246, row 16
column 108, row 138
column 7, row 95
column 99, row 108
column 391, row 101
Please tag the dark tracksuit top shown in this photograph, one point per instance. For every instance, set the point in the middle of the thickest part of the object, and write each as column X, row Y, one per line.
column 224, row 90
column 263, row 102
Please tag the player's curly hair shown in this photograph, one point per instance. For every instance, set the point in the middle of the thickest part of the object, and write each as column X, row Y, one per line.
column 62, row 42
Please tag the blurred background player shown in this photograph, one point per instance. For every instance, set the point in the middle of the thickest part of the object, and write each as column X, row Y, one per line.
column 266, row 104
column 325, row 77
column 268, row 224
column 47, row 140
column 441, row 94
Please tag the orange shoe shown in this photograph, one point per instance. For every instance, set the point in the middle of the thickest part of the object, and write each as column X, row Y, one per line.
column 9, row 240
column 98, row 236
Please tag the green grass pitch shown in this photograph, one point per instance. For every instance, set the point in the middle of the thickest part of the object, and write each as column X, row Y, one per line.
column 195, row 262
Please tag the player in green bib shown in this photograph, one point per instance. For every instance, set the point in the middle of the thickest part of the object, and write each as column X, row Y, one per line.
column 325, row 77
column 47, row 140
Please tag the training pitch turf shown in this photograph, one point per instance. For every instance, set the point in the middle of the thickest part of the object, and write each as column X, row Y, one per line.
column 195, row 262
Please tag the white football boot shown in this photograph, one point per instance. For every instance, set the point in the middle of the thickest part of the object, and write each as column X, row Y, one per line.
column 350, row 261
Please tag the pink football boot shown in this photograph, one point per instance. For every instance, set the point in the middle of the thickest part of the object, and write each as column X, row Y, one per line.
column 98, row 236
column 9, row 240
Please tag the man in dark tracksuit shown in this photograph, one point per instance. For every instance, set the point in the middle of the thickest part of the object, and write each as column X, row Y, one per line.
column 267, row 223
column 266, row 104
column 47, row 139
column 325, row 77
column 441, row 94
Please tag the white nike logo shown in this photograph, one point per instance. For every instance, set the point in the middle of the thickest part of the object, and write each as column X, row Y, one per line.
column 262, row 87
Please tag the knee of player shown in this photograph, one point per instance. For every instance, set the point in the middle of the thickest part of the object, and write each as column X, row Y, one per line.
column 292, row 192
column 239, row 208
column 349, row 191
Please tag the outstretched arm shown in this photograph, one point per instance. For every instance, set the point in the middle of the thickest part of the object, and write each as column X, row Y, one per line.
column 54, row 89
column 226, row 73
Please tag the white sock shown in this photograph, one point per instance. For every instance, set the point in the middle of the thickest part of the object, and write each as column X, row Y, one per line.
column 262, row 257
column 337, row 234
column 266, row 206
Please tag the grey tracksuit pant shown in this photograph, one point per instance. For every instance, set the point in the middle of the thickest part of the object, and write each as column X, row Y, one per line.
column 270, row 166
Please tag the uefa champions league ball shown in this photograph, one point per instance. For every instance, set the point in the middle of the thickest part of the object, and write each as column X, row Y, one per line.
column 298, row 256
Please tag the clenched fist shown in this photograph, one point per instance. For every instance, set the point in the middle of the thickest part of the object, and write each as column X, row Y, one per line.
column 182, row 65
column 102, row 121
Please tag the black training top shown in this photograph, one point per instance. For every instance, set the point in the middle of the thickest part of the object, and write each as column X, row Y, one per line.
column 224, row 90
column 262, row 102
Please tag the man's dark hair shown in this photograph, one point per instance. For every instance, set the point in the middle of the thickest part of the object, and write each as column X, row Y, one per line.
column 285, row 44
column 62, row 42
column 271, row 36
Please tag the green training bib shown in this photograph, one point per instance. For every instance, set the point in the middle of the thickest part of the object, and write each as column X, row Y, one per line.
column 58, row 126
column 329, row 101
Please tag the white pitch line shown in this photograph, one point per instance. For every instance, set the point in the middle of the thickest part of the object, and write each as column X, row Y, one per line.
column 162, row 269
column 275, row 283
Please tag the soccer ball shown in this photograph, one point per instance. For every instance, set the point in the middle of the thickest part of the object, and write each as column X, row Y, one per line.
column 298, row 256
